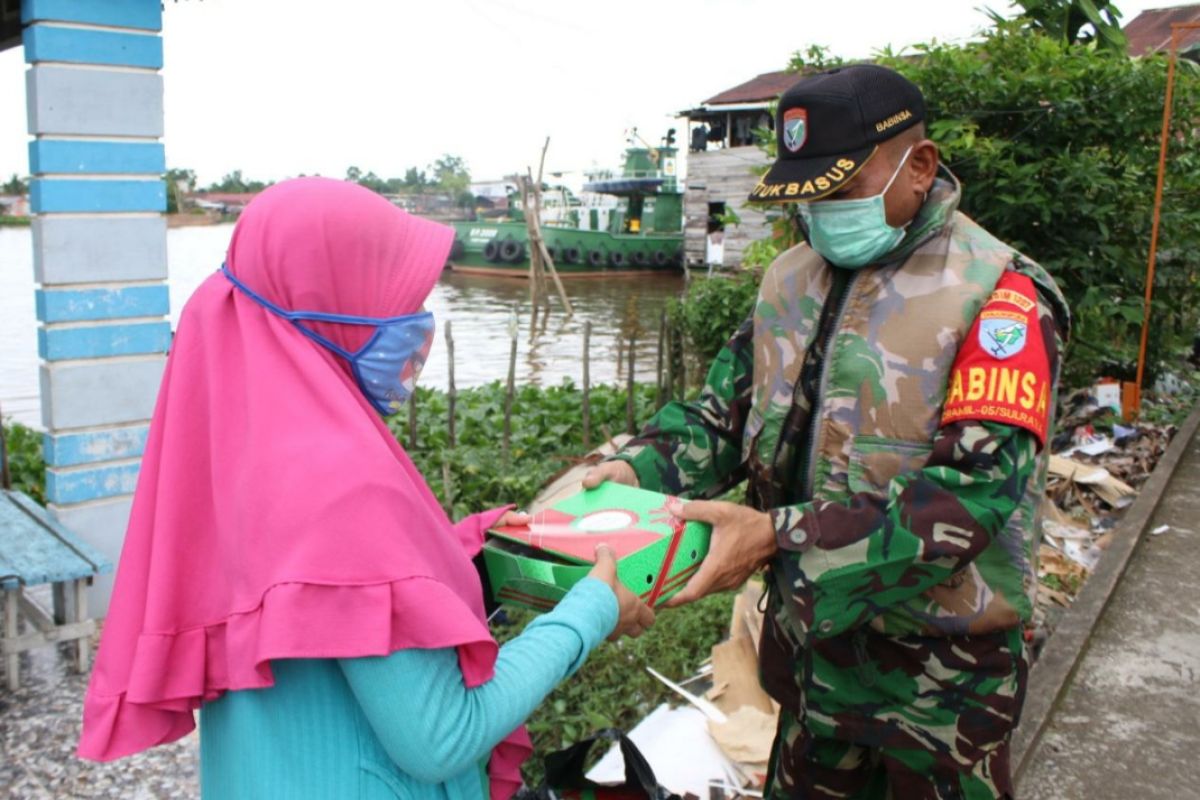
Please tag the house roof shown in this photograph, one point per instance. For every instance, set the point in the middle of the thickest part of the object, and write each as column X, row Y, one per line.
column 1150, row 31
column 762, row 89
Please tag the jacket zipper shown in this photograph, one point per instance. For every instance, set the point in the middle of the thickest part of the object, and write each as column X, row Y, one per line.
column 808, row 464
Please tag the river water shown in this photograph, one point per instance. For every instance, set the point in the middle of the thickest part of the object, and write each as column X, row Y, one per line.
column 479, row 308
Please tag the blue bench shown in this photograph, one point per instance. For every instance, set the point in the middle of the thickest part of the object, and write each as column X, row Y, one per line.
column 35, row 550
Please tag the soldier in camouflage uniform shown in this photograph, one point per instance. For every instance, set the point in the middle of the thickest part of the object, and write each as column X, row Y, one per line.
column 888, row 403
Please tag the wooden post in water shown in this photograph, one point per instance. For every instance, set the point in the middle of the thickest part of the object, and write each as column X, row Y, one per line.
column 447, row 487
column 535, row 273
column 670, row 363
column 683, row 378
column 5, row 474
column 412, row 420
column 660, row 391
column 620, row 360
column 629, row 420
column 451, row 393
column 511, row 388
column 587, row 386
column 537, row 241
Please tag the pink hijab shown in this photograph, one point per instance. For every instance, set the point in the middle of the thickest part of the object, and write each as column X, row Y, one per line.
column 275, row 515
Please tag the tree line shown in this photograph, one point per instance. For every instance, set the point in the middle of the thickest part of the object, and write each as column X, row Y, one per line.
column 447, row 175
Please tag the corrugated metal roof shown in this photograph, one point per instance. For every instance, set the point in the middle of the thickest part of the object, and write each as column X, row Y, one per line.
column 762, row 89
column 1151, row 30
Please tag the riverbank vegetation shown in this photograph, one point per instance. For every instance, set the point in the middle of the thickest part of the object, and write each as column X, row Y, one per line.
column 1054, row 134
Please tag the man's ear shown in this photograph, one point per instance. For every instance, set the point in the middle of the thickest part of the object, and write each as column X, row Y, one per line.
column 923, row 162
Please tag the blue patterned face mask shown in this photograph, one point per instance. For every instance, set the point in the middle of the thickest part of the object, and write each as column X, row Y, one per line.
column 386, row 367
column 852, row 233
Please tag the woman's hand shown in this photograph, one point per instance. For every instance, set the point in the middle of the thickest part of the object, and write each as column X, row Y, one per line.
column 634, row 616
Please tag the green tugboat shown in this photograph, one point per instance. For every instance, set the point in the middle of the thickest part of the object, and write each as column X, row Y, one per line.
column 640, row 232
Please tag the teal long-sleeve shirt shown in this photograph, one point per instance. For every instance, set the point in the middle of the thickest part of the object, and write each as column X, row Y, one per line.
column 402, row 725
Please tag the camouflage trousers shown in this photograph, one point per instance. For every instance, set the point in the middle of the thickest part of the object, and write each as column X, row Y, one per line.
column 901, row 718
column 830, row 769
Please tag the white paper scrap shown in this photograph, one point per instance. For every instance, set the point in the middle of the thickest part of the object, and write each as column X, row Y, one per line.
column 676, row 744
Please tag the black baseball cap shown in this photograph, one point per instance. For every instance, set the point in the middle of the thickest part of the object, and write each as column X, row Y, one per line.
column 830, row 124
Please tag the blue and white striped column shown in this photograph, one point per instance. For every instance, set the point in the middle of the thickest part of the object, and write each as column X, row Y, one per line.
column 95, row 99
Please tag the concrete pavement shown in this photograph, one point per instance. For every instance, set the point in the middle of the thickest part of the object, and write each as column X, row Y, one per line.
column 1128, row 725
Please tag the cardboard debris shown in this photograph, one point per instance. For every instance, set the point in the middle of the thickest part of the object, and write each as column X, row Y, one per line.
column 746, row 616
column 735, row 668
column 746, row 736
column 1053, row 562
column 1113, row 491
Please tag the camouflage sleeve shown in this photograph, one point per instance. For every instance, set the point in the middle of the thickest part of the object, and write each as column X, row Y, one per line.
column 695, row 449
column 848, row 561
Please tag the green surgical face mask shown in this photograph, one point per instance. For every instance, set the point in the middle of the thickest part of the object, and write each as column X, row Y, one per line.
column 852, row 233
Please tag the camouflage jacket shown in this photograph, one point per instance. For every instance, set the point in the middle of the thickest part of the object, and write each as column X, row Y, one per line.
column 884, row 517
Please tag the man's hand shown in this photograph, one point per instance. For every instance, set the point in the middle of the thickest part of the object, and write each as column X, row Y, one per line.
column 634, row 616
column 742, row 541
column 516, row 519
column 615, row 471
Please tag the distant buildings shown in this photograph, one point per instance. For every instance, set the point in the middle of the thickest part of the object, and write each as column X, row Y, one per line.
column 14, row 205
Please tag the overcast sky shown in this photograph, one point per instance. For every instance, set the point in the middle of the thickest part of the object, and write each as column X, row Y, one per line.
column 262, row 86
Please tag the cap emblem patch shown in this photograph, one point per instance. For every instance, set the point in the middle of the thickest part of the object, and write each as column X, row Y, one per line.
column 795, row 128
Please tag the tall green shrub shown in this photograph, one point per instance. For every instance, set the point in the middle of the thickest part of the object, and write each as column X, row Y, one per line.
column 1057, row 146
column 711, row 309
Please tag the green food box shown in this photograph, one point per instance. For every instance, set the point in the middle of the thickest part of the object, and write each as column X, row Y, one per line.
column 535, row 565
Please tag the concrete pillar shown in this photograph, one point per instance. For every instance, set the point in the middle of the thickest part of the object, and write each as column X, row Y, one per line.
column 95, row 101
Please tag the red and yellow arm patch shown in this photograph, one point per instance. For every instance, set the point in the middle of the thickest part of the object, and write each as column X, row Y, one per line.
column 1002, row 372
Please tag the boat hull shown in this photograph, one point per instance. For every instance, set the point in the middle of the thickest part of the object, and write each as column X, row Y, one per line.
column 502, row 248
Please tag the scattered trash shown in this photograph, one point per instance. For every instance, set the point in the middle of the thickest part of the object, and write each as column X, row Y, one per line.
column 1160, row 530
column 1099, row 460
column 733, row 714
column 1097, row 480
column 703, row 706
column 1108, row 394
column 676, row 744
column 1088, row 442
column 1170, row 383
column 746, row 736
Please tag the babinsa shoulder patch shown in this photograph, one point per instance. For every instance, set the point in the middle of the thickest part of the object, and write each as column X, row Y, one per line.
column 1002, row 373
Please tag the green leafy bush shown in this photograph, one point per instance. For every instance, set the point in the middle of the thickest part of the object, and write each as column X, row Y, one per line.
column 25, row 462
column 547, row 437
column 711, row 309
column 1057, row 148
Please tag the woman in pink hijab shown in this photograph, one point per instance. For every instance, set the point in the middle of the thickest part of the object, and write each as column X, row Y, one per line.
column 286, row 569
